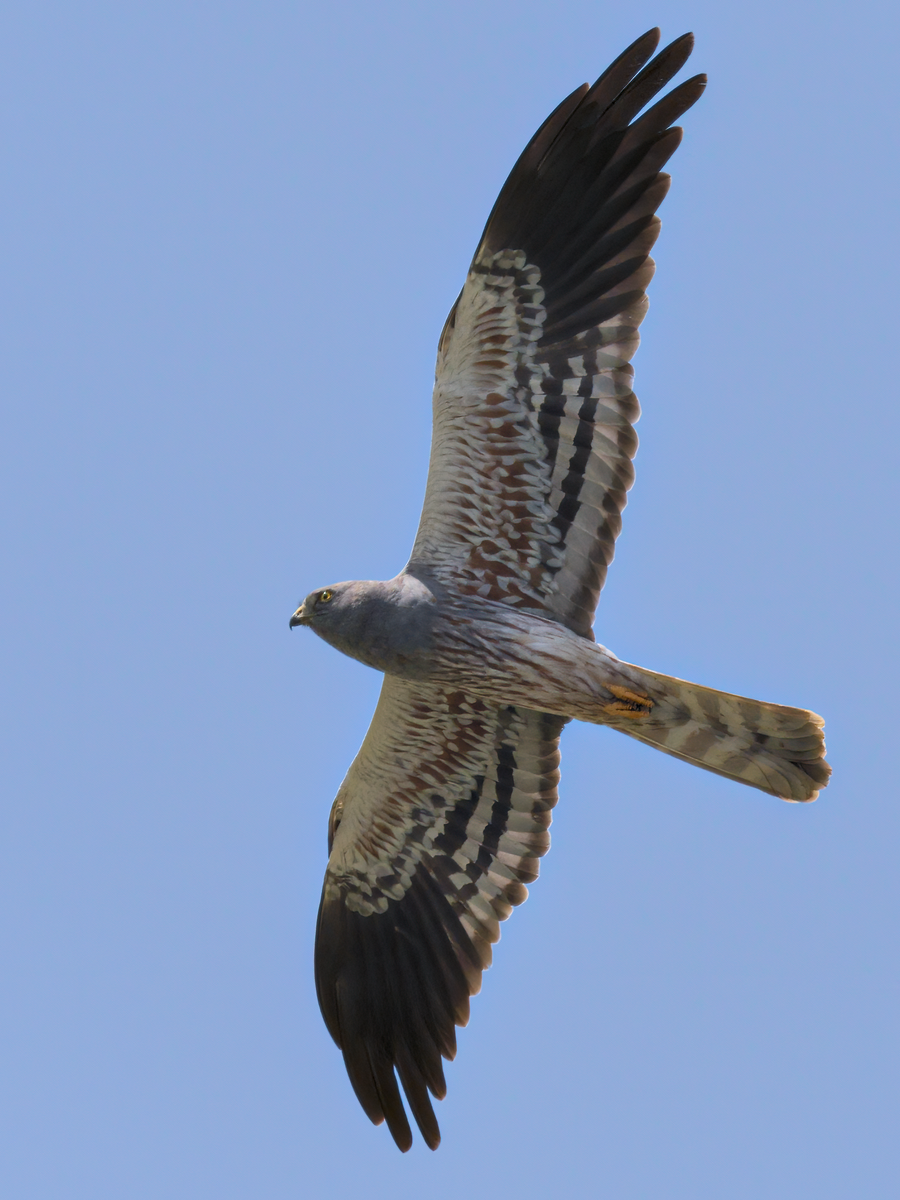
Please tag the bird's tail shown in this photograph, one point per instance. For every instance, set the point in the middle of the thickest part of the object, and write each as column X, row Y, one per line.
column 769, row 746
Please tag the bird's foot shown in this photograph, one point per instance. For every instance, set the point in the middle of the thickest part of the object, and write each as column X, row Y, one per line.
column 629, row 704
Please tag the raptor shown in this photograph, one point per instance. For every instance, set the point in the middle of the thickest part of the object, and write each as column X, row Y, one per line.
column 485, row 637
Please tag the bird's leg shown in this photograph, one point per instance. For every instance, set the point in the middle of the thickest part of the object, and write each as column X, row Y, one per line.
column 627, row 703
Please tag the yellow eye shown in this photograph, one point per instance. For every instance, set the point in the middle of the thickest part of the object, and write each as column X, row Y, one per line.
column 325, row 596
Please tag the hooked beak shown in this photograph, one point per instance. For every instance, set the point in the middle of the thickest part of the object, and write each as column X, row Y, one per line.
column 300, row 617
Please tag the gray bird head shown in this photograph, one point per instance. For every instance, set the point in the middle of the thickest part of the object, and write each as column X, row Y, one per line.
column 323, row 605
column 386, row 625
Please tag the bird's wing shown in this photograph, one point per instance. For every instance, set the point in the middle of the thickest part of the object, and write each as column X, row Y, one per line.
column 533, row 407
column 433, row 835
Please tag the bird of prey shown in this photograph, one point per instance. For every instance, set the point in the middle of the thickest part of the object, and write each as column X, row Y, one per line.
column 485, row 637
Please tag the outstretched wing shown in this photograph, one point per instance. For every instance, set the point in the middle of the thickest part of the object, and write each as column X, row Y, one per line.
column 433, row 835
column 533, row 407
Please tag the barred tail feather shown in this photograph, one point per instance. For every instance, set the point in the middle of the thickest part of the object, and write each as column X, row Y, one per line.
column 778, row 749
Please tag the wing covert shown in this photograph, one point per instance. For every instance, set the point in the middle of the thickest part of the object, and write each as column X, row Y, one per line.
column 533, row 405
column 433, row 835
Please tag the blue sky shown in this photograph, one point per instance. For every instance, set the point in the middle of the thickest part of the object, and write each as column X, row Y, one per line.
column 231, row 234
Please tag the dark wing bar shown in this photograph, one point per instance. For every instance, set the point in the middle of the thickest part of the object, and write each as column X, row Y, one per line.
column 440, row 825
column 534, row 409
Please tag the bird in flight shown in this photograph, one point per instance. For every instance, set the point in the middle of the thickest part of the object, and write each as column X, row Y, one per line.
column 485, row 637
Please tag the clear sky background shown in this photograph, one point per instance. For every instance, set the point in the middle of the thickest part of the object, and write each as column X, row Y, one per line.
column 231, row 233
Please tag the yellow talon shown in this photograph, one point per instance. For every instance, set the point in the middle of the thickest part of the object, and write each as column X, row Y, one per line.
column 618, row 709
column 624, row 694
column 627, row 703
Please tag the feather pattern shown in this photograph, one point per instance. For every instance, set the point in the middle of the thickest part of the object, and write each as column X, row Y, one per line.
column 435, row 832
column 534, row 411
column 440, row 823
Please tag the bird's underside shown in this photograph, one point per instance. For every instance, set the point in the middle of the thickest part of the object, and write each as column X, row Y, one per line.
column 486, row 637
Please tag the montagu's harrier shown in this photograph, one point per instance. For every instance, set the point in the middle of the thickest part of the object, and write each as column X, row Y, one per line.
column 485, row 636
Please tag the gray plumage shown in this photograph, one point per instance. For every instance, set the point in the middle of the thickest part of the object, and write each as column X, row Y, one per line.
column 485, row 638
column 388, row 625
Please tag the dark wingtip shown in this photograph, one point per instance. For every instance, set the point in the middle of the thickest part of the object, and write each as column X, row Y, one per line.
column 632, row 58
column 681, row 98
column 681, row 46
column 677, row 53
column 647, row 42
column 665, row 65
column 403, row 1138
